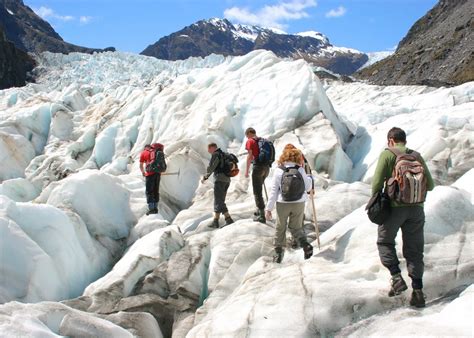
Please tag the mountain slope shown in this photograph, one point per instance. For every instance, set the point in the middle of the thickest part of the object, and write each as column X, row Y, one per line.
column 32, row 34
column 14, row 64
column 219, row 36
column 438, row 49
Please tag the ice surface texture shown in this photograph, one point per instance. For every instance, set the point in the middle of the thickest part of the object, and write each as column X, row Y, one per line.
column 72, row 201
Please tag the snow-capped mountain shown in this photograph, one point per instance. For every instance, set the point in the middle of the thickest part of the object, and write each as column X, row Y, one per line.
column 220, row 36
column 31, row 33
column 80, row 258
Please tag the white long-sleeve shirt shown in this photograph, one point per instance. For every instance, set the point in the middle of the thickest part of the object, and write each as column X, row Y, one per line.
column 275, row 191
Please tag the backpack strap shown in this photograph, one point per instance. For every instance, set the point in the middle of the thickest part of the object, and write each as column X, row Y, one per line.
column 394, row 150
column 282, row 167
column 221, row 157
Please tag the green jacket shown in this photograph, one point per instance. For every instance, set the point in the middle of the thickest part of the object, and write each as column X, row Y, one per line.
column 384, row 170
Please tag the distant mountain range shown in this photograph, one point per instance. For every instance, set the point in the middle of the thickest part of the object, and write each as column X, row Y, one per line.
column 437, row 51
column 31, row 33
column 220, row 36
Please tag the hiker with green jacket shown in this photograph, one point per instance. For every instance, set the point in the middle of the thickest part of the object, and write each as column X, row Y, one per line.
column 407, row 179
column 221, row 185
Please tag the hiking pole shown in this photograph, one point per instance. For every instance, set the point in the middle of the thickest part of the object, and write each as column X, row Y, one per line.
column 170, row 174
column 314, row 218
column 265, row 188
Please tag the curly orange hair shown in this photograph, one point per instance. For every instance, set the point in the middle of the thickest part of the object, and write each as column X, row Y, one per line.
column 290, row 155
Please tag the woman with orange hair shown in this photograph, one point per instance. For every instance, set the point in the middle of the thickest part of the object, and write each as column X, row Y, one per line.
column 288, row 193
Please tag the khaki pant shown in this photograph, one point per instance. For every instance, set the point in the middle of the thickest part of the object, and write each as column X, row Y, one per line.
column 291, row 214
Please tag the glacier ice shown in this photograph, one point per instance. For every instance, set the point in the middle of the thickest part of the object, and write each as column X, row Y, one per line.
column 72, row 200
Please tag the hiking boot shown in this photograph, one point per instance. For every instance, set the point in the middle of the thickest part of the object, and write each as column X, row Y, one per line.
column 294, row 244
column 398, row 285
column 261, row 217
column 228, row 220
column 214, row 224
column 152, row 212
column 417, row 298
column 278, row 256
column 308, row 251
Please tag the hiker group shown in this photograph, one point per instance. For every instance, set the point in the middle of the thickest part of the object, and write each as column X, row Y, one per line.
column 399, row 189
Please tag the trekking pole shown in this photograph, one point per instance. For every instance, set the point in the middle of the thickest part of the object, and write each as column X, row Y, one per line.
column 265, row 188
column 314, row 218
column 170, row 174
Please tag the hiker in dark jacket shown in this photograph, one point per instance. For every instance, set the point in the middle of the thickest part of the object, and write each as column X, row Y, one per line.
column 289, row 212
column 259, row 172
column 409, row 217
column 152, row 179
column 221, row 185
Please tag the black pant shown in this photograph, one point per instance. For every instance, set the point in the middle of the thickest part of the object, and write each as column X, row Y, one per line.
column 259, row 174
column 220, row 192
column 152, row 188
column 411, row 220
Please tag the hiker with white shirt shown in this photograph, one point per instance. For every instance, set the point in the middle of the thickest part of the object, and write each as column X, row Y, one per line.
column 288, row 193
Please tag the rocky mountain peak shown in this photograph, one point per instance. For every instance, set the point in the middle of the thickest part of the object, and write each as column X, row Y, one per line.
column 220, row 36
column 31, row 33
column 437, row 50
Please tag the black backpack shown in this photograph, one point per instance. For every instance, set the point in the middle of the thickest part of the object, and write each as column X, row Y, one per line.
column 229, row 164
column 292, row 184
column 157, row 162
column 378, row 208
column 266, row 152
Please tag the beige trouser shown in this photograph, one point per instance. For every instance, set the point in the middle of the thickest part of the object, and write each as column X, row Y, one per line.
column 291, row 214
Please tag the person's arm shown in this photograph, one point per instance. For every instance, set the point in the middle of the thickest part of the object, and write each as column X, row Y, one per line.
column 142, row 163
column 429, row 179
column 274, row 191
column 249, row 162
column 212, row 165
column 378, row 180
column 308, row 181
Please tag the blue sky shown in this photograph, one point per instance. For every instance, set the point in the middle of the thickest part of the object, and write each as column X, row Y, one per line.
column 131, row 25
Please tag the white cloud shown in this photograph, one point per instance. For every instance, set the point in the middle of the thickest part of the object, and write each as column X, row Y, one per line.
column 48, row 13
column 337, row 12
column 84, row 20
column 271, row 16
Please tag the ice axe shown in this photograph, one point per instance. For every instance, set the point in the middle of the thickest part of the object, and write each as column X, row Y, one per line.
column 177, row 173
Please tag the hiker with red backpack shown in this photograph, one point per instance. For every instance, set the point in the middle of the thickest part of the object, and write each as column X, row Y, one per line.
column 224, row 166
column 406, row 179
column 288, row 193
column 261, row 153
column 152, row 164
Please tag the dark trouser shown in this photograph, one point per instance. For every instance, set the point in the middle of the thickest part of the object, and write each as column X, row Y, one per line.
column 411, row 220
column 220, row 192
column 259, row 174
column 152, row 188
